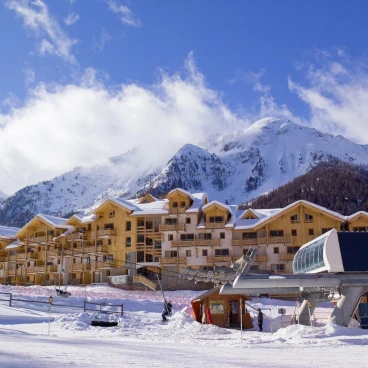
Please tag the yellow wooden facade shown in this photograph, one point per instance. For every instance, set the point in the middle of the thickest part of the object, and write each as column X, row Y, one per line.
column 124, row 237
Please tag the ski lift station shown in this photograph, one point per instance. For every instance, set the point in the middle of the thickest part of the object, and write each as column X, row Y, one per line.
column 334, row 263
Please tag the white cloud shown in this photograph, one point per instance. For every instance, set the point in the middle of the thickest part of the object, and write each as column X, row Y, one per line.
column 337, row 96
column 101, row 43
column 37, row 18
column 60, row 127
column 71, row 19
column 126, row 15
column 30, row 76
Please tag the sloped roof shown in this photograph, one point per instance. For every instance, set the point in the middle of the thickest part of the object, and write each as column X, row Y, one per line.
column 217, row 203
column 199, row 199
column 186, row 193
column 356, row 214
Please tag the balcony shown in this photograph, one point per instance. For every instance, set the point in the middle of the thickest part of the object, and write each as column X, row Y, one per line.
column 32, row 256
column 12, row 258
column 215, row 225
column 104, row 233
column 37, row 239
column 11, row 272
column 21, row 256
column 261, row 259
column 172, row 227
column 241, row 242
column 2, row 259
column 279, row 239
column 79, row 267
column 177, row 210
column 195, row 243
column 286, row 257
column 3, row 253
column 104, row 264
column 216, row 259
column 30, row 269
column 173, row 260
column 75, row 237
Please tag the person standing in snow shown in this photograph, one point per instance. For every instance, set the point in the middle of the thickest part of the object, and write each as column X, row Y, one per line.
column 260, row 319
column 167, row 310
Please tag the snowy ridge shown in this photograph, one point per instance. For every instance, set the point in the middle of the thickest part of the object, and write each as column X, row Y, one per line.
column 231, row 168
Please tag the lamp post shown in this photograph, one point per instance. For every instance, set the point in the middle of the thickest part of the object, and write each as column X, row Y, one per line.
column 51, row 299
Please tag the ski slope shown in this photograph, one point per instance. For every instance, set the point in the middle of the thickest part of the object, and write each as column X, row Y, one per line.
column 141, row 340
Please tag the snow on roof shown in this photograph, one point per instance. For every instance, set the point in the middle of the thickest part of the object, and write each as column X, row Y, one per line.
column 14, row 245
column 122, row 202
column 190, row 195
column 89, row 218
column 8, row 232
column 65, row 233
column 356, row 214
column 54, row 221
column 218, row 204
column 198, row 201
column 158, row 207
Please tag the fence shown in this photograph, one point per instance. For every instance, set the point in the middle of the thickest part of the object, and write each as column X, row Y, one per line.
column 11, row 300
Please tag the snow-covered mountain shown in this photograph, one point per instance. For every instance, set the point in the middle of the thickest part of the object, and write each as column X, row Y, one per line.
column 3, row 196
column 232, row 168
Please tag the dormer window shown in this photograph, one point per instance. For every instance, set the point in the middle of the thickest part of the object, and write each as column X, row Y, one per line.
column 175, row 204
column 182, row 204
column 216, row 219
column 308, row 218
column 112, row 214
column 294, row 219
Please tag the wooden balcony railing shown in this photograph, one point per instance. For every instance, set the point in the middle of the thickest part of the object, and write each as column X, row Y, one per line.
column 104, row 233
column 2, row 259
column 104, row 264
column 286, row 257
column 177, row 210
column 79, row 267
column 37, row 239
column 215, row 225
column 11, row 258
column 11, row 272
column 195, row 243
column 219, row 259
column 240, row 242
column 76, row 237
column 261, row 259
column 173, row 260
column 172, row 227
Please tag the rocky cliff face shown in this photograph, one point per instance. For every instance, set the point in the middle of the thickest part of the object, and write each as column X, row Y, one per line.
column 232, row 168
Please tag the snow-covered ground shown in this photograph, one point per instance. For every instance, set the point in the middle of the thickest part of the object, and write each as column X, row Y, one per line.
column 142, row 340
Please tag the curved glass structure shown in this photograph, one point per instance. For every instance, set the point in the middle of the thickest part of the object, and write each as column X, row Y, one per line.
column 310, row 257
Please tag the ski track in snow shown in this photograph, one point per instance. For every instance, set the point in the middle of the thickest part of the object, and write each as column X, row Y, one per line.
column 142, row 340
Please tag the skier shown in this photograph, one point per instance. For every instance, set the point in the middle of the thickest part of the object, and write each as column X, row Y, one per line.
column 260, row 319
column 166, row 310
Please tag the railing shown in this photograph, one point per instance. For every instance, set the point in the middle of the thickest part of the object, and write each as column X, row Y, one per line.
column 177, row 210
column 172, row 227
column 215, row 225
column 240, row 242
column 30, row 269
column 11, row 272
column 261, row 259
column 3, row 253
column 173, row 260
column 76, row 237
column 37, row 239
column 286, row 257
column 79, row 267
column 105, row 232
column 2, row 259
column 21, row 256
column 11, row 258
column 196, row 242
column 219, row 259
column 104, row 264
column 143, row 280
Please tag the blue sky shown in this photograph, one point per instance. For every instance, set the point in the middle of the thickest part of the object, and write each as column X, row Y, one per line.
column 124, row 69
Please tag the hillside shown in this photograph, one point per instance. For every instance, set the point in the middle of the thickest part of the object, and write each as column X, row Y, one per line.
column 334, row 184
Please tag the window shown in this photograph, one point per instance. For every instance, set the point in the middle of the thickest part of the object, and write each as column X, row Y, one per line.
column 216, row 219
column 251, row 235
column 50, row 232
column 221, row 252
column 128, row 226
column 222, row 235
column 360, row 229
column 170, row 237
column 308, row 218
column 99, row 243
column 293, row 232
column 109, row 226
column 204, row 252
column 108, row 241
column 171, row 253
column 140, row 238
column 216, row 306
column 276, row 250
column 188, row 253
column 170, row 221
column 140, row 222
column 310, row 231
column 326, row 229
column 294, row 219
column 186, row 237
column 187, row 220
column 292, row 250
column 175, row 204
column 182, row 204
column 277, row 267
column 205, row 236
column 276, row 233
column 112, row 214
column 310, row 257
column 89, row 226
